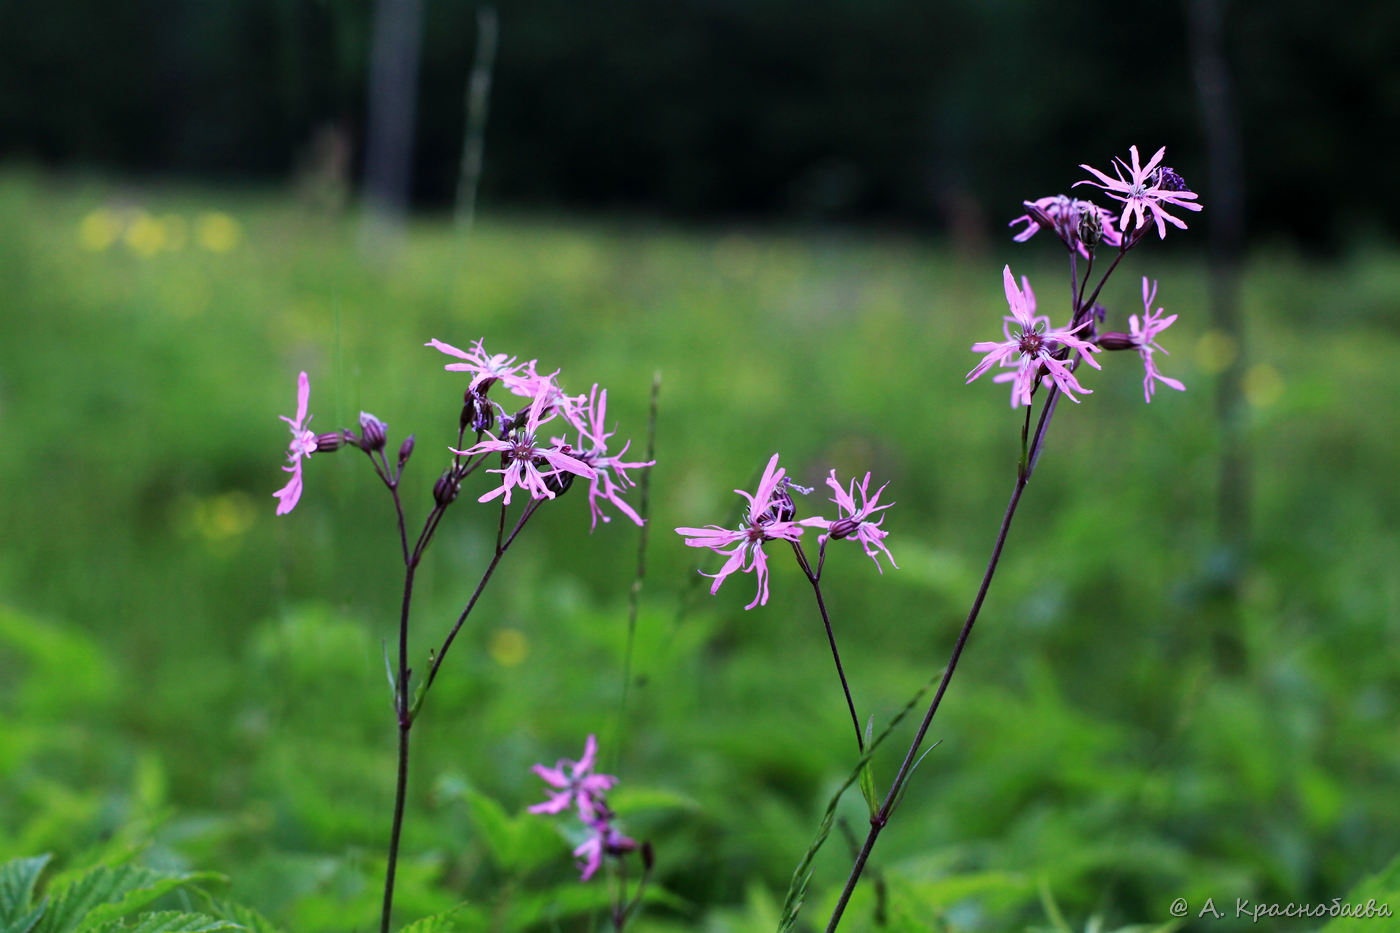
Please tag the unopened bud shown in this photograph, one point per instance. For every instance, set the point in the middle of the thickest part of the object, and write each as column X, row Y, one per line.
column 405, row 450
column 1116, row 341
column 843, row 528
column 1169, row 180
column 1090, row 224
column 372, row 432
column 559, row 482
column 446, row 488
column 619, row 844
column 325, row 443
column 648, row 856
column 468, row 416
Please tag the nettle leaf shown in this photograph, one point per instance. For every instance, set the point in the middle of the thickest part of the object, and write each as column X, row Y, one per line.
column 245, row 918
column 171, row 921
column 104, row 894
column 17, row 878
column 1363, row 901
column 462, row 917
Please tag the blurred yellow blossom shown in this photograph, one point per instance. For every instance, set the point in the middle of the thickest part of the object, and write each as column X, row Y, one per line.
column 218, row 232
column 508, row 646
column 99, row 230
column 145, row 235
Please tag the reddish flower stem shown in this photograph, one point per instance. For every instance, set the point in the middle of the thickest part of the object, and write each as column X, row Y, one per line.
column 815, row 579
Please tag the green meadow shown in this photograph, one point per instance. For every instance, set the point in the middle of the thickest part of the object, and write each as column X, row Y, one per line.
column 1147, row 710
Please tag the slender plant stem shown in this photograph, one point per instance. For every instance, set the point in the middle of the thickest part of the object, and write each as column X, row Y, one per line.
column 501, row 549
column 815, row 579
column 405, row 722
column 634, row 593
column 878, row 821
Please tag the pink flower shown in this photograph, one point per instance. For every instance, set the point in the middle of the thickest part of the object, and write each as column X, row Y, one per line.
column 605, row 841
column 1031, row 347
column 769, row 518
column 303, row 444
column 1144, row 335
column 610, row 477
column 854, row 521
column 523, row 454
column 519, row 378
column 1145, row 190
column 1069, row 219
column 576, row 786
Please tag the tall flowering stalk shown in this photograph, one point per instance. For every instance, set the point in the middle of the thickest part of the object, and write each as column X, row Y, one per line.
column 1043, row 358
column 532, row 466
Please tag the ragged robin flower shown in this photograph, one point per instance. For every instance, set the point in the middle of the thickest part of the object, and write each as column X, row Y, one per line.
column 744, row 545
column 303, row 444
column 1145, row 190
column 1031, row 345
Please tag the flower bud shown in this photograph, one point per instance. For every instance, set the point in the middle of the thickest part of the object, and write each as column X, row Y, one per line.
column 1168, row 180
column 843, row 528
column 1116, row 341
column 372, row 432
column 559, row 483
column 468, row 416
column 446, row 488
column 325, row 443
column 405, row 450
column 648, row 856
column 1090, row 224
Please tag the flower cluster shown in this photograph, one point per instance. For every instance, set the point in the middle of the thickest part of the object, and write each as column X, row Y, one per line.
column 771, row 516
column 543, row 467
column 1032, row 352
column 576, row 786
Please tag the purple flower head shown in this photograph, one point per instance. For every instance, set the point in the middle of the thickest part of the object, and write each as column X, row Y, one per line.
column 524, row 455
column 605, row 840
column 303, row 444
column 1079, row 224
column 855, row 521
column 1030, row 346
column 1144, row 336
column 1145, row 190
column 745, row 544
column 575, row 785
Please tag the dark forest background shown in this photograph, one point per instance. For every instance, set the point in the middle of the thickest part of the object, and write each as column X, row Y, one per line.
column 914, row 113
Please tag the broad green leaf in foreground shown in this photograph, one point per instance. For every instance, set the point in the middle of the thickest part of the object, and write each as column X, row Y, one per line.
column 17, row 878
column 89, row 901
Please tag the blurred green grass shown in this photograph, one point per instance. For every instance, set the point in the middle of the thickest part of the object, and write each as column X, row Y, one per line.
column 224, row 666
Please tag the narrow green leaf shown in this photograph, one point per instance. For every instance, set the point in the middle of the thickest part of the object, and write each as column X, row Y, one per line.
column 867, row 788
column 802, row 875
column 17, row 878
